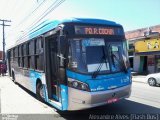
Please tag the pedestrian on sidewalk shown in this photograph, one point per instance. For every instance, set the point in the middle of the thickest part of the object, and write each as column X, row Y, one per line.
column 0, row 69
column 3, row 69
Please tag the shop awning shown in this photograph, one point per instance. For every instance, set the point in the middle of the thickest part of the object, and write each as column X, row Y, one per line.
column 148, row 53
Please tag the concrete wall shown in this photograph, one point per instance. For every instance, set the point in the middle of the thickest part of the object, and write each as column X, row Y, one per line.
column 140, row 32
column 136, row 63
column 151, row 67
column 131, row 36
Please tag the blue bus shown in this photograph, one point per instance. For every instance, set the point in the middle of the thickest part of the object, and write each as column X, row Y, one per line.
column 74, row 63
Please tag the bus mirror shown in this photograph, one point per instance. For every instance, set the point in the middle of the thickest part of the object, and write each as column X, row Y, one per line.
column 63, row 44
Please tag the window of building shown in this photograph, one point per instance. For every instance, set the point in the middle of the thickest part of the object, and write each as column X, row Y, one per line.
column 131, row 47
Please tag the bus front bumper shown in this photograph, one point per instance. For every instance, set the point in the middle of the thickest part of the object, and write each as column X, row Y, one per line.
column 78, row 100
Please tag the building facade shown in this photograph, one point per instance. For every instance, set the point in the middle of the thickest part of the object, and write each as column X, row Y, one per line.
column 144, row 49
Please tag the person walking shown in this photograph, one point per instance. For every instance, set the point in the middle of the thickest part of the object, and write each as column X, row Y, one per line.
column 3, row 69
column 0, row 69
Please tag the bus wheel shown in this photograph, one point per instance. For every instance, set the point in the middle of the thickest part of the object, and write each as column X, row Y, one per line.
column 13, row 77
column 39, row 92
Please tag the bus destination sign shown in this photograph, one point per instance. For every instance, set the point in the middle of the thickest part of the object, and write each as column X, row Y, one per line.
column 94, row 30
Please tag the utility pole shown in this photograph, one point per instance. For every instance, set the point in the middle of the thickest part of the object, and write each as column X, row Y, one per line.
column 3, row 25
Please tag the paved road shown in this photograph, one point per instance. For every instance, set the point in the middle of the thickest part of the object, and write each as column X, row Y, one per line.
column 144, row 99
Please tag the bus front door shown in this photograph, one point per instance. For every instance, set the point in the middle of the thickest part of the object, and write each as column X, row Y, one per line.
column 52, row 68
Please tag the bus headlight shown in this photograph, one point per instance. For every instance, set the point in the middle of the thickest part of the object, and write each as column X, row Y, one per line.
column 77, row 84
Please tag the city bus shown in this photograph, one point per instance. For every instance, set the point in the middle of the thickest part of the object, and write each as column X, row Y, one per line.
column 73, row 64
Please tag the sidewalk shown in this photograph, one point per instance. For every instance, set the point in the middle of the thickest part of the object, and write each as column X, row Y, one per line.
column 16, row 100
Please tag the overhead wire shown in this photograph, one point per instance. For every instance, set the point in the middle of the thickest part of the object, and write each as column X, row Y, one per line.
column 14, row 7
column 50, row 9
column 29, row 14
column 27, row 17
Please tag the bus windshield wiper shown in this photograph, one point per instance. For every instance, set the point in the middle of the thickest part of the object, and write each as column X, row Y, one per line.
column 94, row 75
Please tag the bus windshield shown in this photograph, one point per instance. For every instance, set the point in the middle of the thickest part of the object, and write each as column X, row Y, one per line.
column 96, row 55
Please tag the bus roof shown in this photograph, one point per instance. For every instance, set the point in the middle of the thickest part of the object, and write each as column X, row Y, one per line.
column 48, row 25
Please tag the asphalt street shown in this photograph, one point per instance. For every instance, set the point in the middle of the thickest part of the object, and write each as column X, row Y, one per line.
column 14, row 99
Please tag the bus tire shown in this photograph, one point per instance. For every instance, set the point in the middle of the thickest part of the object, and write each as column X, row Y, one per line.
column 39, row 92
column 13, row 77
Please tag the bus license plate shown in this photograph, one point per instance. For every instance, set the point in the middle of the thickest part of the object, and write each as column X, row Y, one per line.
column 112, row 100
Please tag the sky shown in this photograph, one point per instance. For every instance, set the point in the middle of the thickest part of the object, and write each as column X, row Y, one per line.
column 132, row 14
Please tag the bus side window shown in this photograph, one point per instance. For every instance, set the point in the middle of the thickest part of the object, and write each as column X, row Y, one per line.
column 41, row 44
column 22, row 56
column 39, row 54
column 41, row 67
column 13, row 54
column 19, row 56
column 31, row 54
column 16, row 55
column 25, row 55
column 36, row 54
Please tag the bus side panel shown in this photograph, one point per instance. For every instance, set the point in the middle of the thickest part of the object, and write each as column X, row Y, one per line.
column 28, row 79
column 21, row 76
column 34, row 76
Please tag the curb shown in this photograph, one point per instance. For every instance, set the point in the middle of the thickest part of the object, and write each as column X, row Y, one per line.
column 139, row 81
column 138, row 76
